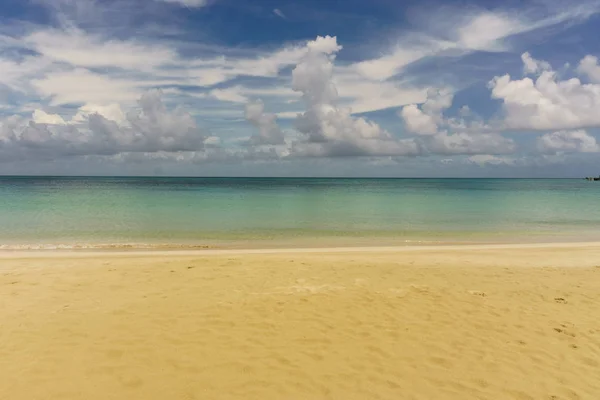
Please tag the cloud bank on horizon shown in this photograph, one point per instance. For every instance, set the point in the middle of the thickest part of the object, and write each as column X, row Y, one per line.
column 139, row 87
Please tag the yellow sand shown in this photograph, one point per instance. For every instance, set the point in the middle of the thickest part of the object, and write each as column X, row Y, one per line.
column 478, row 322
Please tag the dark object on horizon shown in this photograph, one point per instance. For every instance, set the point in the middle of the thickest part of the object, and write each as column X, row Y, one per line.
column 591, row 178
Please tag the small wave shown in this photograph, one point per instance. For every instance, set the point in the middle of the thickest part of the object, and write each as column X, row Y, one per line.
column 197, row 246
column 103, row 246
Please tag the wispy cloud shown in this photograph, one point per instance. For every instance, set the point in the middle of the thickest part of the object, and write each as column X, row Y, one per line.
column 188, row 3
column 454, row 32
column 279, row 13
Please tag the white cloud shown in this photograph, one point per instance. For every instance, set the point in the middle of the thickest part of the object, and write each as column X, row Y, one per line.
column 212, row 141
column 533, row 66
column 111, row 112
column 41, row 117
column 266, row 65
column 313, row 75
column 451, row 136
column 81, row 49
column 74, row 67
column 188, row 3
column 456, row 32
column 356, row 148
column 488, row 159
column 389, row 65
column 329, row 130
column 437, row 101
column 81, row 86
column 149, row 128
column 269, row 131
column 589, row 66
column 470, row 143
column 276, row 92
column 547, row 103
column 17, row 74
column 361, row 95
column 241, row 94
column 426, row 119
column 147, row 64
column 462, row 33
column 578, row 141
column 465, row 111
column 279, row 13
column 231, row 95
column 416, row 121
column 486, row 30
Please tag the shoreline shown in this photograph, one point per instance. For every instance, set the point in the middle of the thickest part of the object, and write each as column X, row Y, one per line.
column 176, row 251
column 283, row 241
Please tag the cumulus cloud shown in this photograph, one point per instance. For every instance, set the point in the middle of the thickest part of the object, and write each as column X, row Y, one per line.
column 548, row 103
column 269, row 131
column 356, row 148
column 150, row 128
column 112, row 112
column 451, row 135
column 533, row 66
column 330, row 130
column 425, row 120
column 578, row 141
column 589, row 66
column 470, row 143
column 465, row 111
column 42, row 117
column 327, row 129
column 416, row 121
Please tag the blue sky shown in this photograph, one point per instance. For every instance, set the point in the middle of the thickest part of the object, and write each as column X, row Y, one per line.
column 311, row 88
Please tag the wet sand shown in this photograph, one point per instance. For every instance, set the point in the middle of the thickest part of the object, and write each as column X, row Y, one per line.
column 458, row 322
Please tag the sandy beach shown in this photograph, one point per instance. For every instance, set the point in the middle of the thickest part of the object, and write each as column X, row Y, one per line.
column 441, row 322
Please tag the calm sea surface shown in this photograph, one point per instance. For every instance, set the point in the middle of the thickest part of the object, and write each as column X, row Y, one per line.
column 61, row 211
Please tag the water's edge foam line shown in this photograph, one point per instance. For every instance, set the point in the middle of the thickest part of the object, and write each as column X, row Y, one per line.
column 24, row 254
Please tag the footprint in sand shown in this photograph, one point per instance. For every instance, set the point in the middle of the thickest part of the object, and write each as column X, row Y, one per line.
column 564, row 331
column 477, row 293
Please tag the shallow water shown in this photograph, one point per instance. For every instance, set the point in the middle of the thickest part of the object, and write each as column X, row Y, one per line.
column 88, row 211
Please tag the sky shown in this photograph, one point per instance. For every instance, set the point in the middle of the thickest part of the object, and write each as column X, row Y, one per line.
column 359, row 88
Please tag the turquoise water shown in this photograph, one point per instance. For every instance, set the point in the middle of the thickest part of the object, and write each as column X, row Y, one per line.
column 48, row 211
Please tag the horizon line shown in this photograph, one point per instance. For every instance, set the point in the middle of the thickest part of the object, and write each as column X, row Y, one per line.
column 272, row 177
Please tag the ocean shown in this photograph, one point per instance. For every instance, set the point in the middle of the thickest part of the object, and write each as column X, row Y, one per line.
column 67, row 212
